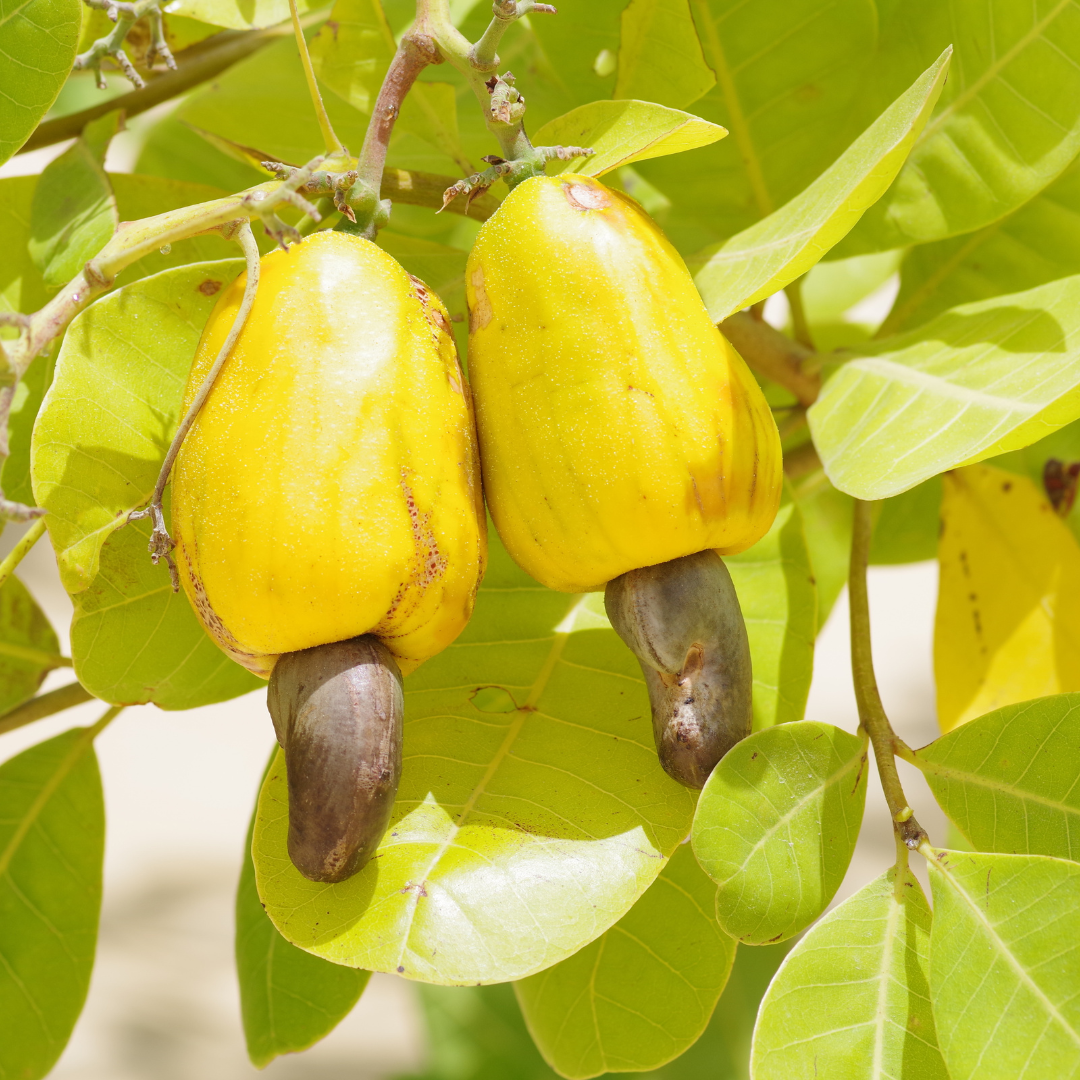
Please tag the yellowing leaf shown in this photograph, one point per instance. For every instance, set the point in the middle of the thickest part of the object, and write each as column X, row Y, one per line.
column 1008, row 621
column 624, row 131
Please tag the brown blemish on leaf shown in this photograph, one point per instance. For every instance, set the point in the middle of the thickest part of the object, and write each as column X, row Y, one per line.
column 209, row 287
column 586, row 197
column 480, row 310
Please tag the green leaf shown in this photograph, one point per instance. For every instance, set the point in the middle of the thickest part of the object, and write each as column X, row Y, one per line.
column 22, row 623
column 789, row 73
column 289, row 999
column 642, row 992
column 98, row 445
column 831, row 288
column 624, row 131
column 21, row 287
column 29, row 393
column 351, row 52
column 827, row 517
column 1003, row 963
column 977, row 381
column 908, row 526
column 1007, row 125
column 52, row 841
column 37, row 47
column 1040, row 242
column 1009, row 779
column 771, row 254
column 517, row 837
column 74, row 213
column 660, row 56
column 264, row 102
column 776, row 825
column 240, row 14
column 776, row 592
column 851, row 1000
column 176, row 151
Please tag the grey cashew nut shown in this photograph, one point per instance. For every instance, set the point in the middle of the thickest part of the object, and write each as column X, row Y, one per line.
column 337, row 711
column 682, row 620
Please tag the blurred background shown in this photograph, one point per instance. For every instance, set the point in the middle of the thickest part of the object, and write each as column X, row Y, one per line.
column 179, row 790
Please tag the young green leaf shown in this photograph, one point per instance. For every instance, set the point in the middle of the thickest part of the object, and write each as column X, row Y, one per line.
column 851, row 1000
column 100, row 438
column 776, row 825
column 660, row 56
column 289, row 999
column 776, row 592
column 769, row 255
column 1007, row 125
column 518, row 836
column 977, row 381
column 1040, row 242
column 624, row 131
column 23, row 625
column 37, row 41
column 1009, row 779
column 908, row 526
column 1004, row 956
column 1007, row 628
column 74, row 211
column 788, row 73
column 642, row 992
column 52, row 841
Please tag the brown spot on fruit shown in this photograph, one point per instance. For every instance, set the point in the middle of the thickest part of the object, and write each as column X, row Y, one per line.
column 480, row 310
column 209, row 287
column 586, row 197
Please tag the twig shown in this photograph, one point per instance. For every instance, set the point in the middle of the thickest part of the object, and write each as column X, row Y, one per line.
column 872, row 716
column 483, row 55
column 125, row 15
column 774, row 355
column 65, row 697
column 21, row 549
column 161, row 544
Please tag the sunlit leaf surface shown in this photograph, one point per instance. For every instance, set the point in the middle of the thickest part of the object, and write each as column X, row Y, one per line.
column 851, row 1000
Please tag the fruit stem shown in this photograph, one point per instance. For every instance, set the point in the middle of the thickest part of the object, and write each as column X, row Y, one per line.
column 64, row 697
column 330, row 139
column 161, row 544
column 774, row 355
column 872, row 718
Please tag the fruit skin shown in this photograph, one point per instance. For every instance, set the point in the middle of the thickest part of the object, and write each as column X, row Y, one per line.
column 330, row 486
column 618, row 428
column 683, row 622
column 337, row 713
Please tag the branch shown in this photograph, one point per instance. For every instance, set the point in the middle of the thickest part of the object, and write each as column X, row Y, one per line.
column 195, row 65
column 43, row 705
column 125, row 15
column 872, row 716
column 773, row 355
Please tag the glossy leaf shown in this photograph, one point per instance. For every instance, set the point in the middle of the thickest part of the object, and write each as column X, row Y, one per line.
column 289, row 999
column 100, row 438
column 518, row 836
column 776, row 826
column 22, row 623
column 1040, row 242
column 776, row 591
column 789, row 73
column 772, row 253
column 1009, row 779
column 74, row 211
column 624, row 131
column 37, row 49
column 1008, row 625
column 977, row 381
column 1007, row 125
column 851, row 1000
column 660, row 56
column 52, row 842
column 239, row 14
column 642, row 992
column 1004, row 956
